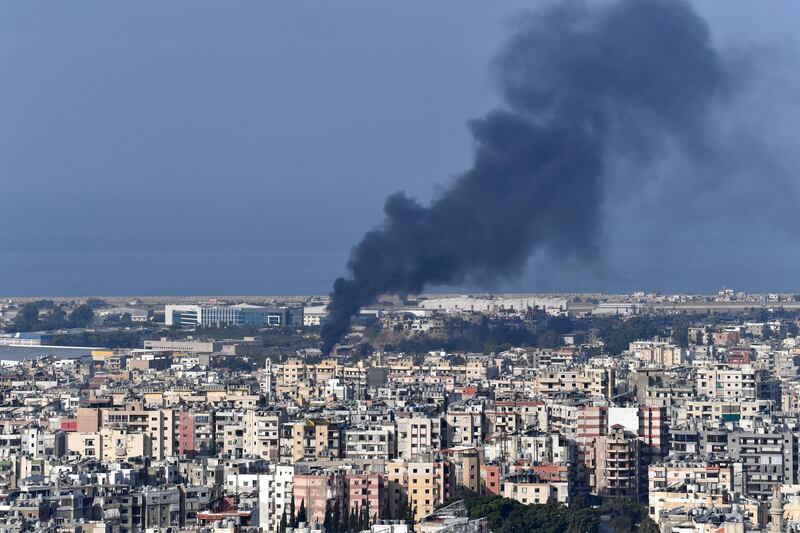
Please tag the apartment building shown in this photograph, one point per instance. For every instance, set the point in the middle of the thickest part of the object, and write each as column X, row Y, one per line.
column 711, row 474
column 419, row 435
column 653, row 433
column 315, row 491
column 275, row 491
column 316, row 438
column 744, row 412
column 159, row 425
column 532, row 487
column 733, row 383
column 616, row 464
column 420, row 486
column 373, row 443
column 109, row 444
column 465, row 428
column 466, row 462
column 261, row 433
column 658, row 353
column 596, row 382
column 367, row 493
column 769, row 460
column 290, row 373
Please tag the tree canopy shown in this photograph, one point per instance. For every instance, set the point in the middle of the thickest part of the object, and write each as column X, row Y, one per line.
column 44, row 315
column 82, row 316
column 510, row 516
column 617, row 337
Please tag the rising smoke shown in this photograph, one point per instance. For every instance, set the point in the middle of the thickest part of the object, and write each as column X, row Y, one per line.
column 581, row 84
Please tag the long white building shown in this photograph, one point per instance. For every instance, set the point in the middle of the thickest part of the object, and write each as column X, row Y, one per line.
column 485, row 304
column 231, row 315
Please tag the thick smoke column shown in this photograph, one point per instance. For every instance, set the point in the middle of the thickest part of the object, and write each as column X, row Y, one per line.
column 581, row 84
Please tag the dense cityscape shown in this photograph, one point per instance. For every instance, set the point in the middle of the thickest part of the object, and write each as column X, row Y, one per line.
column 437, row 413
column 399, row 267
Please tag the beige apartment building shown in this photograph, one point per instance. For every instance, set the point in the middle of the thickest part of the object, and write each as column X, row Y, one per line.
column 535, row 488
column 465, row 428
column 291, row 372
column 418, row 435
column 726, row 411
column 709, row 476
column 159, row 425
column 422, row 485
column 616, row 464
column 262, row 433
column 316, row 438
column 466, row 462
column 659, row 353
column 723, row 382
column 508, row 416
column 597, row 382
column 322, row 371
column 109, row 444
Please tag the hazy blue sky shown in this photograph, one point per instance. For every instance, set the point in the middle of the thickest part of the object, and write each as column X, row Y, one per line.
column 190, row 147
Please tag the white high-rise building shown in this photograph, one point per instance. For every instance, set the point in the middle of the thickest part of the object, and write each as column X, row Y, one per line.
column 275, row 492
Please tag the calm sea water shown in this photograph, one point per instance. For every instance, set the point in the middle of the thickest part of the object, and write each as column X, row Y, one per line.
column 137, row 272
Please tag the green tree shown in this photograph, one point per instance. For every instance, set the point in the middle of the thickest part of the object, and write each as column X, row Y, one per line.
column 55, row 319
column 618, row 336
column 457, row 359
column 82, row 316
column 27, row 318
column 301, row 514
column 118, row 321
column 96, row 303
column 402, row 508
column 292, row 517
column 648, row 525
column 593, row 351
column 58, row 315
column 352, row 521
column 548, row 339
column 336, row 517
column 344, row 524
column 680, row 331
column 628, row 516
column 560, row 324
column 109, row 339
column 364, row 521
column 510, row 516
column 327, row 522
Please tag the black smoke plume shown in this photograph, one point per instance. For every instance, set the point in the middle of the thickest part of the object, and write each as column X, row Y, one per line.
column 581, row 83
